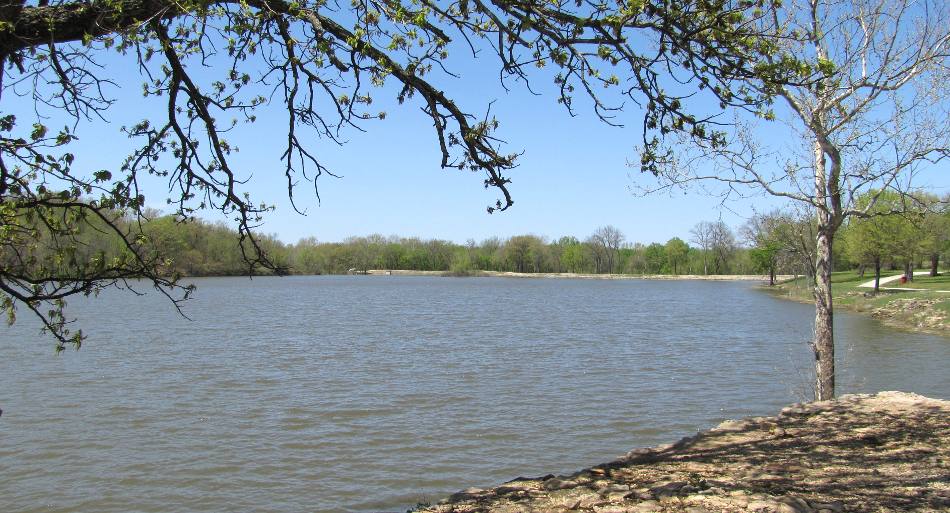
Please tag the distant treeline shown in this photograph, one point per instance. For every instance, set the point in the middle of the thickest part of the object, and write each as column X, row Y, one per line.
column 605, row 251
column 200, row 248
column 776, row 243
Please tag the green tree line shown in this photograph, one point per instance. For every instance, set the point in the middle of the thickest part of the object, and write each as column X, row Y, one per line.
column 603, row 252
column 200, row 248
column 898, row 232
column 779, row 242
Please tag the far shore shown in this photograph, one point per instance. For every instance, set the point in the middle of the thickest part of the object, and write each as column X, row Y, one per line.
column 584, row 276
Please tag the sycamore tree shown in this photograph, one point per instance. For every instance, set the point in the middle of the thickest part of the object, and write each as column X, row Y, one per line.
column 701, row 235
column 605, row 245
column 208, row 68
column 874, row 117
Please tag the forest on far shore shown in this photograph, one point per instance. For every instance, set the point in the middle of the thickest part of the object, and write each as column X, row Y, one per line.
column 780, row 242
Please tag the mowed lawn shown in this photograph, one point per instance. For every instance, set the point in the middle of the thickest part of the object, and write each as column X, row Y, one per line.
column 939, row 282
column 848, row 294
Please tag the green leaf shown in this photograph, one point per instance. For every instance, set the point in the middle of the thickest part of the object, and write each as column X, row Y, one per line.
column 39, row 131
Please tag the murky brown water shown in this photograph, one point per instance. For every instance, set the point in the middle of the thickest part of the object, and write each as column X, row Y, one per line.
column 374, row 393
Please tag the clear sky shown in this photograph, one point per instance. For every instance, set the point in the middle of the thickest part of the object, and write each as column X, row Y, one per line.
column 573, row 176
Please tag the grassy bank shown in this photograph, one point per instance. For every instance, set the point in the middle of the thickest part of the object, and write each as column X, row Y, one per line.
column 926, row 310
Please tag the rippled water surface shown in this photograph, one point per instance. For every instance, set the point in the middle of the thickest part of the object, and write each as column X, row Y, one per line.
column 373, row 393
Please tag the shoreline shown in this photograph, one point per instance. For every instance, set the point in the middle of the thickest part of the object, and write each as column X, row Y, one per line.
column 581, row 276
column 881, row 452
column 911, row 311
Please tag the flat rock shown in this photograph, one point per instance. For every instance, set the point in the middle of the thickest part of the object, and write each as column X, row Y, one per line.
column 559, row 484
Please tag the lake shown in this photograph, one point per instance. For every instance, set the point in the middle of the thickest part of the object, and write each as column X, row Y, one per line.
column 366, row 394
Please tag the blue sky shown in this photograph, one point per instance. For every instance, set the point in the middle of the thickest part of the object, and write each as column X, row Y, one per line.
column 573, row 176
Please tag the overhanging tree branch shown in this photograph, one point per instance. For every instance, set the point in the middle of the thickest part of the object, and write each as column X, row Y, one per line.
column 211, row 64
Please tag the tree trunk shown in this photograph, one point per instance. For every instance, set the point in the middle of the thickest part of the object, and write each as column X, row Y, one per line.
column 909, row 271
column 826, row 192
column 877, row 274
column 824, row 345
column 772, row 276
column 934, row 262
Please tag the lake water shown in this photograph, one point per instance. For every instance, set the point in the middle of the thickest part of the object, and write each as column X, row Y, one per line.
column 368, row 394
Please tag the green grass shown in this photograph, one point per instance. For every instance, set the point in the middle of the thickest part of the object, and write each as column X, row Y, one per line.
column 848, row 281
column 848, row 296
column 939, row 282
column 841, row 283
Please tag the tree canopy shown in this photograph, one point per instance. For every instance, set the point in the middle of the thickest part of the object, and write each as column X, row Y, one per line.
column 211, row 65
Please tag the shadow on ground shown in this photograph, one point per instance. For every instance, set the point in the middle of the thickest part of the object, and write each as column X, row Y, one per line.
column 875, row 453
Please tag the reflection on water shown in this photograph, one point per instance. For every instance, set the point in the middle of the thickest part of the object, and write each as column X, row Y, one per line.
column 374, row 393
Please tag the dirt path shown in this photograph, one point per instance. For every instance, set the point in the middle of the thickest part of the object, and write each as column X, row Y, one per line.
column 863, row 453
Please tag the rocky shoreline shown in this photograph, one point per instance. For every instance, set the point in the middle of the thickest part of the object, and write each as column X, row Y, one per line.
column 917, row 314
column 861, row 453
